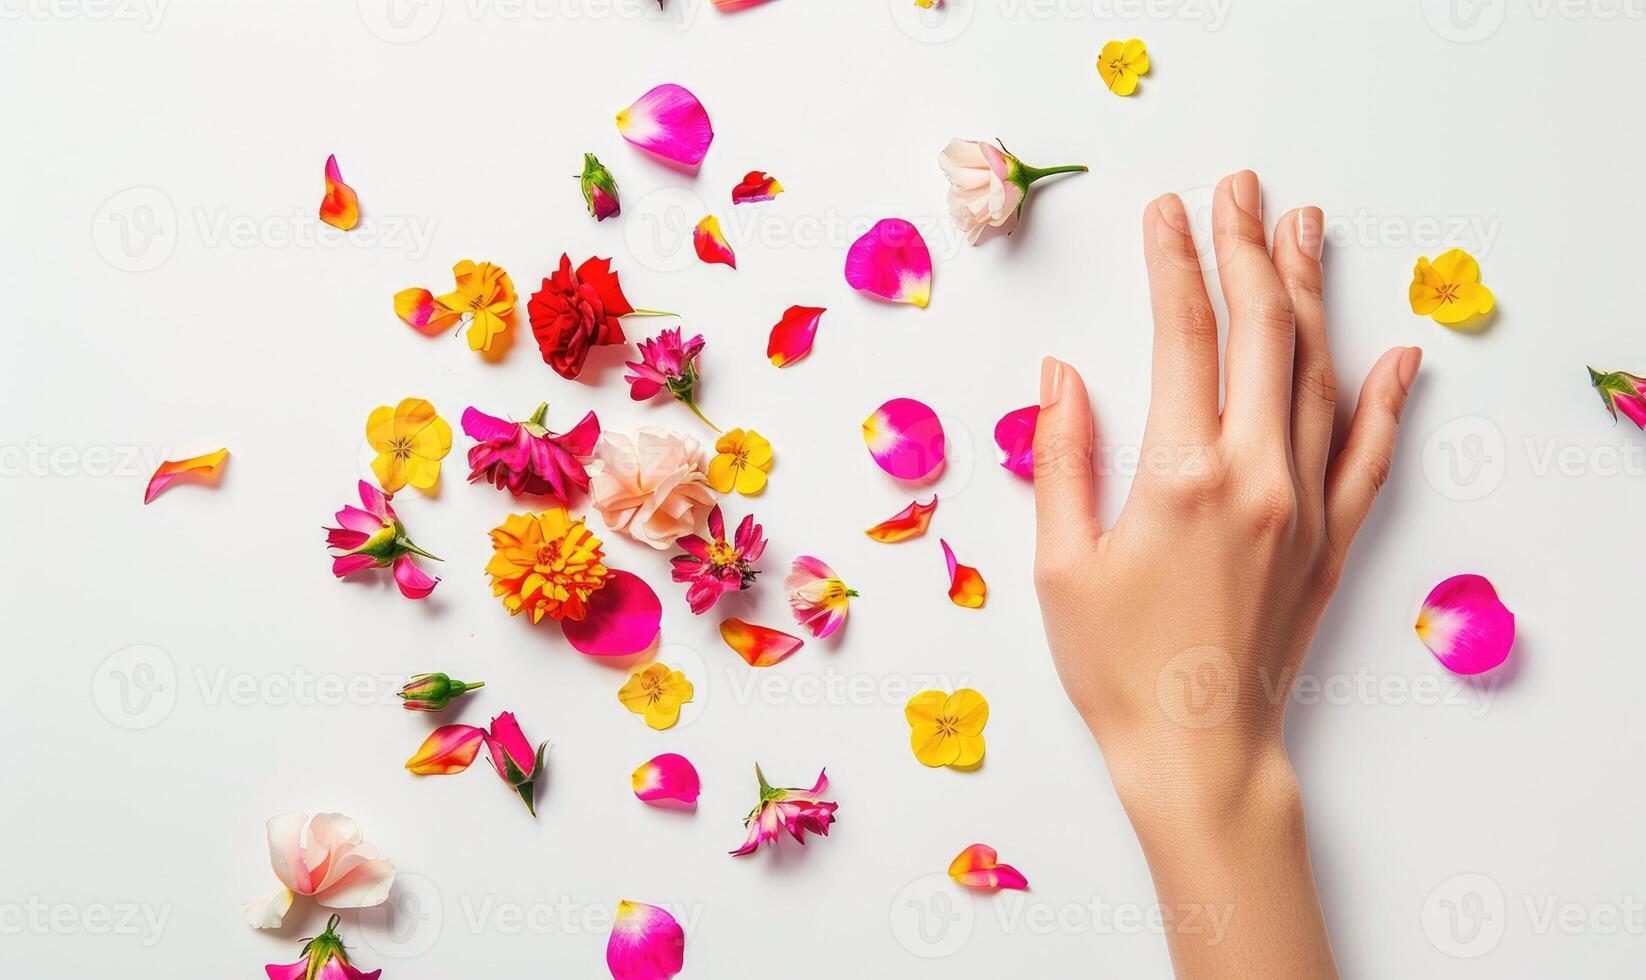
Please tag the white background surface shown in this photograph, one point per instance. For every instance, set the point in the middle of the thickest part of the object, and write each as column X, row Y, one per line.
column 1513, row 135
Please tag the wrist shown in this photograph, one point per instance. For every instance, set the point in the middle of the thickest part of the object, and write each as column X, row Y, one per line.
column 1203, row 788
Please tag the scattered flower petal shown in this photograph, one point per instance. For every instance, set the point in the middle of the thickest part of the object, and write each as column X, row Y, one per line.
column 667, row 778
column 197, row 467
column 1449, row 289
column 624, row 618
column 795, row 810
column 757, row 186
column 910, row 522
column 448, row 750
column 891, row 261
column 711, row 243
column 759, row 646
column 453, row 748
column 817, row 596
column 1622, row 392
column 417, row 308
column 1014, row 434
column 966, row 586
column 1121, row 63
column 1465, row 625
column 340, row 208
column 792, row 338
column 670, row 122
column 978, row 866
column 656, row 693
column 905, row 438
column 947, row 729
column 646, row 943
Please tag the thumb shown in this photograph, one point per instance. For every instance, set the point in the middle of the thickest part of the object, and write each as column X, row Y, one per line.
column 1065, row 495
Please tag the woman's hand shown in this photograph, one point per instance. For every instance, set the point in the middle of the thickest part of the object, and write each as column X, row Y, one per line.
column 1179, row 631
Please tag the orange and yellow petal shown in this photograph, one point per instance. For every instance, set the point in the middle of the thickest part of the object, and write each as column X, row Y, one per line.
column 978, row 866
column 966, row 586
column 206, row 466
column 759, row 646
column 340, row 208
column 910, row 522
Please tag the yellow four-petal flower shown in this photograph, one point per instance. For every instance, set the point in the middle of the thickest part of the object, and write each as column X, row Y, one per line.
column 1120, row 64
column 411, row 440
column 656, row 692
column 1449, row 289
column 947, row 729
column 745, row 457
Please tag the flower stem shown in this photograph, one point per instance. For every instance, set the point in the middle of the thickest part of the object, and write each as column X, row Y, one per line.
column 699, row 413
column 650, row 313
column 1035, row 173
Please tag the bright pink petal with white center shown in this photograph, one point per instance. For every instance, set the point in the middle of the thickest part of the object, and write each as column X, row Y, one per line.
column 1014, row 434
column 979, row 866
column 905, row 437
column 413, row 581
column 711, row 243
column 792, row 337
column 624, row 617
column 892, row 262
column 670, row 122
column 646, row 943
column 667, row 778
column 1465, row 625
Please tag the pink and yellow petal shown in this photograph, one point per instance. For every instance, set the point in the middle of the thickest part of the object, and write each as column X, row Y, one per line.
column 447, row 750
column 711, row 243
column 905, row 438
column 759, row 646
column 418, row 309
column 1465, row 625
column 910, row 522
column 891, row 261
column 978, row 866
column 670, row 122
column 756, row 186
column 340, row 208
column 793, row 336
column 646, row 943
column 200, row 468
column 668, row 778
column 966, row 586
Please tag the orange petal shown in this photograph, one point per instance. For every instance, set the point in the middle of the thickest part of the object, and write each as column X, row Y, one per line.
column 759, row 646
column 206, row 466
column 978, row 866
column 910, row 522
column 966, row 585
column 418, row 309
column 341, row 206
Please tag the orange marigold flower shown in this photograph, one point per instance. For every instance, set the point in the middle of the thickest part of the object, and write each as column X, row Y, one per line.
column 548, row 563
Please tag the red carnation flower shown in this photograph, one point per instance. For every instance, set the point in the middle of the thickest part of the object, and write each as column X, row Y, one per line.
column 575, row 311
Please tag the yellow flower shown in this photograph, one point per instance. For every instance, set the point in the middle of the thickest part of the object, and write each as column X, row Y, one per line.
column 745, row 457
column 1449, row 289
column 1120, row 64
column 657, row 693
column 410, row 440
column 947, row 729
column 547, row 563
column 484, row 293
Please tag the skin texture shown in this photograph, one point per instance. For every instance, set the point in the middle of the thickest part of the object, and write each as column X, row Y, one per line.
column 1178, row 632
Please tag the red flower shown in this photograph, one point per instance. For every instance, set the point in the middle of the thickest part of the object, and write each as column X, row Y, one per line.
column 575, row 311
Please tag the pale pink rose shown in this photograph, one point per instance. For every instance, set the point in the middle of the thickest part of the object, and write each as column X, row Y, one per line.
column 653, row 486
column 982, row 193
column 323, row 857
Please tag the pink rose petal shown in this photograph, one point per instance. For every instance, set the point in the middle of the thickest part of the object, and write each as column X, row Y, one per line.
column 711, row 244
column 892, row 262
column 905, row 438
column 1014, row 434
column 1465, row 625
column 667, row 778
column 670, row 122
column 792, row 337
column 757, row 186
column 646, row 943
column 624, row 617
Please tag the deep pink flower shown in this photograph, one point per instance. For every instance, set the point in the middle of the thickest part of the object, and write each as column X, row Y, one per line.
column 1622, row 392
column 525, row 457
column 714, row 568
column 323, row 959
column 667, row 364
column 792, row 809
column 452, row 749
column 375, row 538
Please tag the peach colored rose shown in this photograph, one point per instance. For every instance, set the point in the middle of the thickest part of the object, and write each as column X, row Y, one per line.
column 653, row 486
column 981, row 191
column 323, row 857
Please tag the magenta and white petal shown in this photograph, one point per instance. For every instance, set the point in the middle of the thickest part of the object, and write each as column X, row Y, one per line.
column 905, row 438
column 646, row 943
column 891, row 261
column 670, row 122
column 1465, row 625
column 1014, row 435
column 625, row 616
column 669, row 778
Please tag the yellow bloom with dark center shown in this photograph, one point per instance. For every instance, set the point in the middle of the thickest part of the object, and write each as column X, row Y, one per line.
column 1121, row 63
column 1449, row 289
column 656, row 693
column 743, row 461
column 485, row 296
column 411, row 439
column 947, row 729
column 546, row 564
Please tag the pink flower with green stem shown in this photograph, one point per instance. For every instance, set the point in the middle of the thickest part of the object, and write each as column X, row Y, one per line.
column 525, row 457
column 323, row 959
column 668, row 364
column 1622, row 391
column 373, row 537
column 453, row 748
column 787, row 809
column 711, row 569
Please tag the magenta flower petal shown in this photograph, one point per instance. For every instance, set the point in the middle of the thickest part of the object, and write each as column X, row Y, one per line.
column 1014, row 434
column 646, row 943
column 667, row 778
column 792, row 337
column 892, row 262
column 905, row 437
column 670, row 122
column 413, row 581
column 624, row 617
column 1465, row 625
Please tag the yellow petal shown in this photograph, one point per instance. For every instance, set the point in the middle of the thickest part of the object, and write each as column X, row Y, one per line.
column 1457, row 266
column 1124, row 83
column 434, row 441
column 420, row 473
column 390, row 471
column 932, row 747
column 380, row 428
column 924, row 708
column 750, row 480
column 662, row 714
column 1139, row 66
column 723, row 473
column 680, row 688
column 731, row 442
column 411, row 415
column 633, row 693
column 969, row 709
column 756, row 449
column 1425, row 299
column 1133, row 51
column 484, row 328
column 970, row 752
column 1111, row 51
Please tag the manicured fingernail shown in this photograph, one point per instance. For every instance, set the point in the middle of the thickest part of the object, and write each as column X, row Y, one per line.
column 1246, row 194
column 1311, row 232
column 1051, row 381
column 1406, row 370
